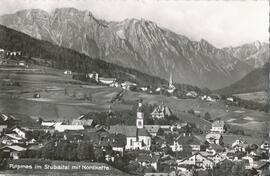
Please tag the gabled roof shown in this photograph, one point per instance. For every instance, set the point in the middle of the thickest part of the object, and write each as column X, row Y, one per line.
column 14, row 136
column 188, row 140
column 152, row 128
column 213, row 136
column 147, row 157
column 129, row 131
column 218, row 123
column 217, row 147
column 14, row 147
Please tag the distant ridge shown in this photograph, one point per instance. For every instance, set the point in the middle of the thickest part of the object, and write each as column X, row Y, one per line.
column 139, row 44
column 255, row 81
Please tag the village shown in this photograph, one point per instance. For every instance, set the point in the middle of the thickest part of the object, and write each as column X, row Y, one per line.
column 157, row 143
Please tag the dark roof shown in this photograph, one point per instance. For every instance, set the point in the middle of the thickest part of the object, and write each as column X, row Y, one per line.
column 129, row 131
column 188, row 140
column 147, row 157
column 217, row 147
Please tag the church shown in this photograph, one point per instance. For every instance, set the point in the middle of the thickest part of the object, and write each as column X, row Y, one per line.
column 137, row 137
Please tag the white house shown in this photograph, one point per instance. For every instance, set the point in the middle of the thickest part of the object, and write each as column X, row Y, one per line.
column 161, row 111
column 20, row 132
column 67, row 72
column 198, row 160
column 192, row 94
column 218, row 127
column 239, row 145
column 148, row 160
column 214, row 138
column 62, row 128
column 107, row 81
column 126, row 85
column 186, row 141
column 230, row 99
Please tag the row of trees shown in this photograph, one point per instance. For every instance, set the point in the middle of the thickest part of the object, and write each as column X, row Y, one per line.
column 64, row 150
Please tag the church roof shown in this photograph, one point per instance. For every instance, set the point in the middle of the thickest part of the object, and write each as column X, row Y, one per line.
column 129, row 131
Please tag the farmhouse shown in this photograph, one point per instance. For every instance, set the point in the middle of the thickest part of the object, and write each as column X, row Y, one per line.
column 148, row 160
column 161, row 112
column 83, row 120
column 198, row 160
column 67, row 72
column 107, row 80
column 183, row 141
column 154, row 130
column 12, row 151
column 126, row 85
column 20, row 132
column 192, row 94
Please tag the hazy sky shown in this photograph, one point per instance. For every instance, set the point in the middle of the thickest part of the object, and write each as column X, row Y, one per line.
column 222, row 23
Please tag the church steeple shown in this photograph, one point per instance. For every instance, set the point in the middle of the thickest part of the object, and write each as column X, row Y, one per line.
column 171, row 81
column 140, row 115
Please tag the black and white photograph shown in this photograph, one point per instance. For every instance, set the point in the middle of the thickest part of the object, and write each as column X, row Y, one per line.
column 134, row 88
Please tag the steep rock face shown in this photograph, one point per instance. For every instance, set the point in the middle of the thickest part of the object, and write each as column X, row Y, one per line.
column 138, row 44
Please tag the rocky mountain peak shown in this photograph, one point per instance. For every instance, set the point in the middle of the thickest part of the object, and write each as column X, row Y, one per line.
column 136, row 43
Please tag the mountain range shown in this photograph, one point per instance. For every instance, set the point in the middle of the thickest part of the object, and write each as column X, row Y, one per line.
column 141, row 45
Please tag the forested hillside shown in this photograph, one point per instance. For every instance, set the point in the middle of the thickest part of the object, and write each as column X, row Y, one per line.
column 257, row 80
column 63, row 58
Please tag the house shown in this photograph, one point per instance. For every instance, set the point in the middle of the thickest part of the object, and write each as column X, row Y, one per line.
column 20, row 132
column 208, row 98
column 12, row 151
column 9, row 139
column 62, row 128
column 192, row 94
column 231, row 99
column 126, row 85
column 218, row 127
column 214, row 138
column 83, row 120
column 265, row 145
column 154, row 130
column 50, row 123
column 161, row 112
column 137, row 137
column 197, row 160
column 21, row 63
column 216, row 158
column 183, row 141
column 107, row 80
column 239, row 145
column 214, row 149
column 173, row 173
column 7, row 119
column 2, row 128
column 67, row 72
column 144, row 89
column 148, row 160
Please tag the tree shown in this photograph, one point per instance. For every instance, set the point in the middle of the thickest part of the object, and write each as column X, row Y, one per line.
column 98, row 154
column 207, row 116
